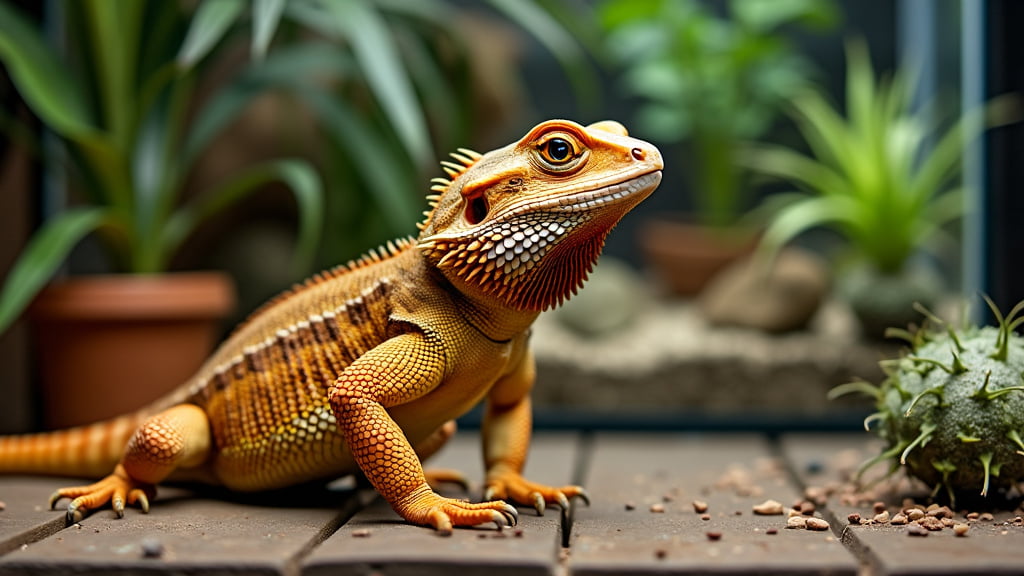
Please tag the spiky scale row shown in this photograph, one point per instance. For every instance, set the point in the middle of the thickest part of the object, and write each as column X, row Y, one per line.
column 952, row 410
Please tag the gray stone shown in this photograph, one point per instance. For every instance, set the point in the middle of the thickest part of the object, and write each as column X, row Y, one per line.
column 780, row 298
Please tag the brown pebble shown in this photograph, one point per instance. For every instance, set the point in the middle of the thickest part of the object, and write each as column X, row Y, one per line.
column 630, row 506
column 932, row 506
column 916, row 530
column 660, row 553
column 361, row 533
column 796, row 523
column 152, row 548
column 700, row 506
column 972, row 515
column 657, row 508
column 915, row 514
column 667, row 497
column 481, row 535
column 3, row 505
column 882, row 517
column 768, row 508
column 714, row 536
column 961, row 529
column 807, row 508
column 518, row 533
column 771, row 531
column 930, row 523
column 705, row 517
column 878, row 507
column 986, row 517
column 898, row 519
column 941, row 512
column 738, row 513
column 817, row 524
column 853, row 518
column 947, row 522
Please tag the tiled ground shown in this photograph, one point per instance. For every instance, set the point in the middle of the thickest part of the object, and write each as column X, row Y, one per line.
column 642, row 521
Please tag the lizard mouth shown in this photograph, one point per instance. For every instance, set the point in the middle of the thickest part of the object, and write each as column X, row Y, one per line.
column 591, row 199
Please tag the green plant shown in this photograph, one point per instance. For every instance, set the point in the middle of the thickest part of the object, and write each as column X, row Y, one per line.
column 870, row 175
column 117, row 95
column 951, row 411
column 713, row 80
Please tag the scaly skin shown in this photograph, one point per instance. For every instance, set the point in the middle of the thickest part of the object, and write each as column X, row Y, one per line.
column 366, row 365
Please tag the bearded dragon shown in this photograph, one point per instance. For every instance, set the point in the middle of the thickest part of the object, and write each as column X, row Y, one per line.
column 365, row 367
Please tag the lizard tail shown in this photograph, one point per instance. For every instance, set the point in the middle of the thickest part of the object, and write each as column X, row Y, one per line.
column 87, row 451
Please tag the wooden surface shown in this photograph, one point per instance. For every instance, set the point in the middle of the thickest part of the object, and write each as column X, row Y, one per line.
column 642, row 521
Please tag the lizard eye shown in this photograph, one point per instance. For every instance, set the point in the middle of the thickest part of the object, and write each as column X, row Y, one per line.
column 557, row 150
column 476, row 209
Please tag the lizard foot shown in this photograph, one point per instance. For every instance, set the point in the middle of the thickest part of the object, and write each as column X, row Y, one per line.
column 439, row 476
column 512, row 486
column 117, row 489
column 424, row 506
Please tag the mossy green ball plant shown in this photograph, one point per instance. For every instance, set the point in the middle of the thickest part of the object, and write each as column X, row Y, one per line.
column 951, row 410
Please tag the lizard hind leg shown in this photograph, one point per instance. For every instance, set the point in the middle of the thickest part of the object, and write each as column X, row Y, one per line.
column 178, row 437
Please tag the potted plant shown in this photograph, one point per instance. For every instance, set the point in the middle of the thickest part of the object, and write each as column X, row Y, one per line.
column 116, row 89
column 713, row 81
column 884, row 176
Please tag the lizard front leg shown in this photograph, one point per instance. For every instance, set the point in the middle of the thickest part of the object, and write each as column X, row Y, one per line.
column 507, row 426
column 178, row 437
column 397, row 371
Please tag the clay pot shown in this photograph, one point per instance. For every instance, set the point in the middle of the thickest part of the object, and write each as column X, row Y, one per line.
column 685, row 256
column 107, row 345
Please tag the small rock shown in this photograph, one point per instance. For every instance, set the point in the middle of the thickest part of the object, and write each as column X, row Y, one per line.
column 152, row 548
column 782, row 298
column 657, row 508
column 899, row 519
column 660, row 553
column 817, row 524
column 986, row 517
column 796, row 523
column 961, row 529
column 915, row 514
column 705, row 517
column 714, row 536
column 3, row 506
column 916, row 530
column 771, row 531
column 973, row 516
column 361, row 533
column 882, row 517
column 941, row 512
column 807, row 508
column 700, row 506
column 878, row 507
column 630, row 506
column 931, row 523
column 768, row 508
column 853, row 518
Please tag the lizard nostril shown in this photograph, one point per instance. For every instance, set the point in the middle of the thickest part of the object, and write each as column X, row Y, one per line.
column 637, row 153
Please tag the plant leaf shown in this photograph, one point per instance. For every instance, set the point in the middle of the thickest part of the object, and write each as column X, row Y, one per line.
column 266, row 15
column 300, row 178
column 44, row 253
column 385, row 74
column 209, row 24
column 39, row 75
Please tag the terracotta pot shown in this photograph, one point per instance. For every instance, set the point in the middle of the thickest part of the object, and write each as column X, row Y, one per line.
column 107, row 345
column 685, row 255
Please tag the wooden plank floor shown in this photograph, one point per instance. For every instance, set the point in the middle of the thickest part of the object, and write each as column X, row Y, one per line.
column 643, row 520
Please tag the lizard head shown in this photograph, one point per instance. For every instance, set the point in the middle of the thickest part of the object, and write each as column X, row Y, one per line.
column 524, row 224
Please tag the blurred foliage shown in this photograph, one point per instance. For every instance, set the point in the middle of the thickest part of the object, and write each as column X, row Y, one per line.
column 386, row 81
column 886, row 176
column 713, row 74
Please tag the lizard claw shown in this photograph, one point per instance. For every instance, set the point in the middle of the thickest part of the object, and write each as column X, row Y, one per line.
column 117, row 489
column 514, row 487
column 424, row 506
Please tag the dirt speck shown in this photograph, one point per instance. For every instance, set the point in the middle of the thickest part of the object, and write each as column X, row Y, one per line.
column 700, row 506
column 714, row 536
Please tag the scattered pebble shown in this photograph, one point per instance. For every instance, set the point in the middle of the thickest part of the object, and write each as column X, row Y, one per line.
column 714, row 536
column 899, row 519
column 931, row 523
column 817, row 524
column 882, row 517
column 796, row 523
column 660, row 553
column 771, row 531
column 700, row 506
column 667, row 497
column 630, row 506
column 518, row 533
column 853, row 518
column 361, row 533
column 878, row 507
column 3, row 505
column 807, row 508
column 705, row 517
column 973, row 516
column 657, row 508
column 916, row 530
column 948, row 522
column 986, row 517
column 961, row 529
column 768, row 508
column 152, row 548
column 941, row 512
column 915, row 514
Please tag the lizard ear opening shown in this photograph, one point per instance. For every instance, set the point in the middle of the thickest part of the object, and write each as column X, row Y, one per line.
column 476, row 209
